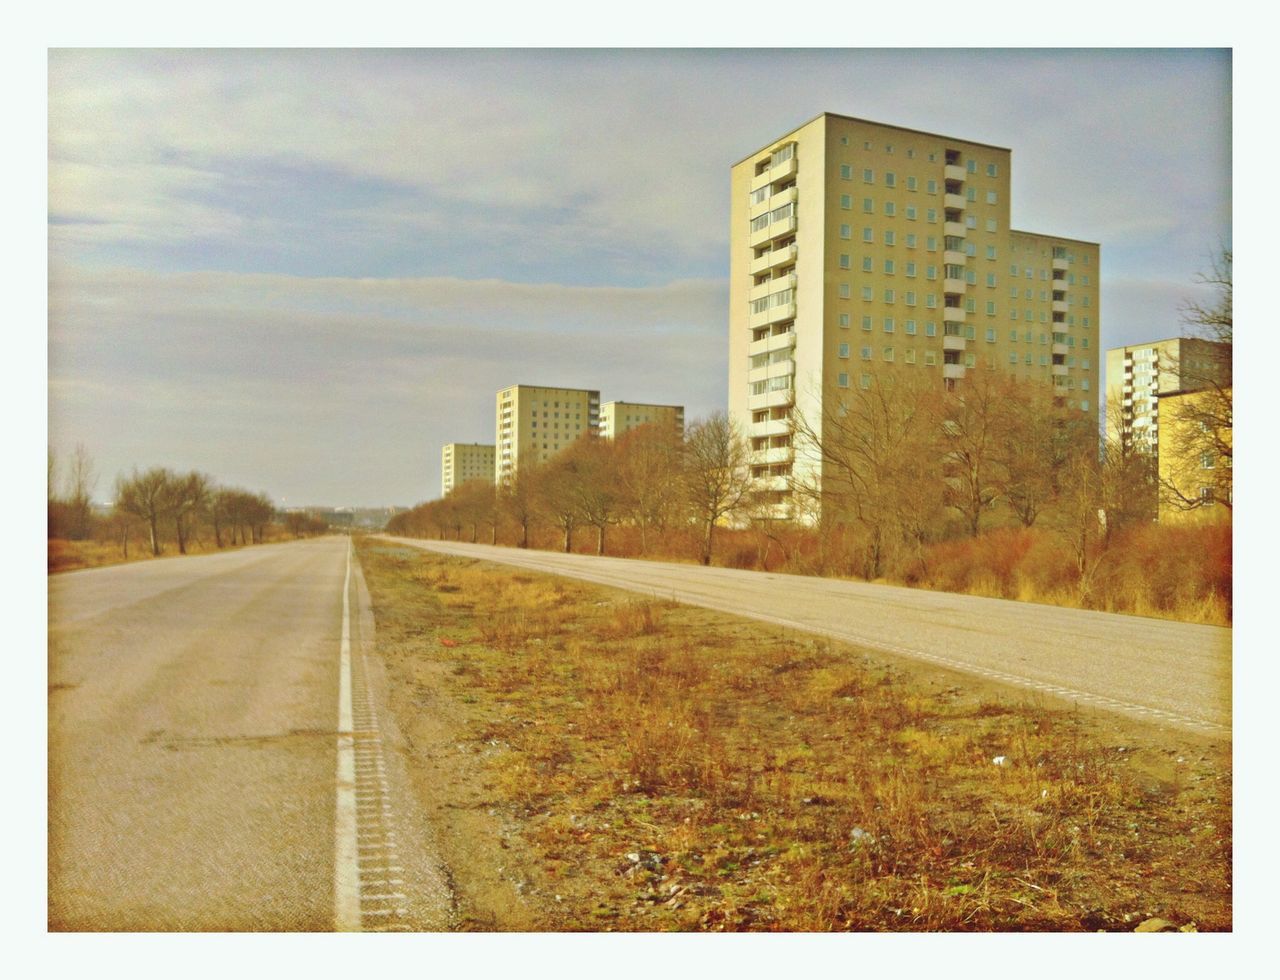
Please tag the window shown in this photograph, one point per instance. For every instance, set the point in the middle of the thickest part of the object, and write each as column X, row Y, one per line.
column 887, row 353
column 911, row 241
column 866, row 323
column 931, row 244
column 991, row 197
column 844, row 260
column 890, row 238
column 888, row 295
column 865, row 353
column 868, row 235
column 910, row 298
column 910, row 328
column 868, row 264
column 909, row 355
column 868, row 176
column 931, row 300
column 932, row 188
column 991, row 334
column 1206, row 461
column 991, row 280
column 1013, row 357
column 844, row 290
column 846, row 231
column 991, row 170
column 842, row 380
column 846, row 201
column 867, row 293
column 930, row 358
column 844, row 350
column 888, row 324
column 971, row 222
column 868, row 205
column 991, row 224
column 911, row 181
column 911, row 212
column 865, row 381
column 991, row 311
column 991, row 251
column 911, row 269
column 931, row 216
column 971, row 166
column 890, row 179
column 846, row 172
column 931, row 272
column 890, row 209
column 971, row 195
column 970, row 360
column 844, row 319
column 930, row 329
column 888, row 267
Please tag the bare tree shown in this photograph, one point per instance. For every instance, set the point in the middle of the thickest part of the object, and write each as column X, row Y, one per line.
column 189, row 498
column 1196, row 435
column 880, row 465
column 148, row 497
column 649, row 460
column 595, row 489
column 716, row 475
column 519, row 500
column 81, row 479
column 557, row 496
column 972, row 425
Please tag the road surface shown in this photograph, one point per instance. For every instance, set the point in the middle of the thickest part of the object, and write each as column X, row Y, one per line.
column 216, row 756
column 1174, row 674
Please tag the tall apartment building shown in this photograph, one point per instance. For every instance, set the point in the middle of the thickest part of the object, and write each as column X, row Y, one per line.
column 533, row 424
column 1139, row 374
column 462, row 462
column 617, row 418
column 858, row 248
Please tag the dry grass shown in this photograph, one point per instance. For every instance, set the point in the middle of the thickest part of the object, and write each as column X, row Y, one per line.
column 68, row 556
column 672, row 768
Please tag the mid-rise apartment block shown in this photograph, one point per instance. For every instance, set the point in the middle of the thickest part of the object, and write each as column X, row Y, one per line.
column 858, row 249
column 1194, row 455
column 1138, row 375
column 462, row 462
column 617, row 418
column 534, row 423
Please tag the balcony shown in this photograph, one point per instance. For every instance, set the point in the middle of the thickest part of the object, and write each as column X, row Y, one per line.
column 773, row 286
column 953, row 370
column 783, row 454
column 769, row 344
column 1061, row 265
column 774, row 427
column 775, row 229
column 1059, row 348
column 953, row 314
column 774, row 314
column 782, row 171
column 953, row 171
column 1060, row 306
column 770, row 260
column 769, row 483
column 1058, row 370
column 956, row 287
column 777, row 200
column 953, row 342
column 956, row 201
column 770, row 399
column 954, row 258
column 778, row 370
column 955, row 228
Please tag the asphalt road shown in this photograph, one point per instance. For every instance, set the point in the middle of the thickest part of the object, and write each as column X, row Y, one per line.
column 194, row 771
column 1172, row 674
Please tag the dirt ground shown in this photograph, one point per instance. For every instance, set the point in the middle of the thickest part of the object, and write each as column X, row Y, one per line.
column 592, row 763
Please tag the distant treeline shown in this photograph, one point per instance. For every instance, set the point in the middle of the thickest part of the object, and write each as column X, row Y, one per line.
column 159, row 506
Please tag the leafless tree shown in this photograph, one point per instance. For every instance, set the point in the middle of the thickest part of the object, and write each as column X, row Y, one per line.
column 649, row 460
column 972, row 425
column 189, row 498
column 148, row 497
column 518, row 500
column 594, row 488
column 557, row 500
column 81, row 479
column 716, row 475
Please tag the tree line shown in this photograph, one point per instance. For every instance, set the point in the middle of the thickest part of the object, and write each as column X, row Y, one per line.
column 160, row 506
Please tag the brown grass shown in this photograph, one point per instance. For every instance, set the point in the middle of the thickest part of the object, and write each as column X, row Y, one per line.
column 68, row 556
column 672, row 768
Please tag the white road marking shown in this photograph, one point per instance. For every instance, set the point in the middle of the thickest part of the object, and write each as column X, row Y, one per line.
column 346, row 876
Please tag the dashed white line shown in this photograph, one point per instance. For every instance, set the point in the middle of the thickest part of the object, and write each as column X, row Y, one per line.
column 346, row 876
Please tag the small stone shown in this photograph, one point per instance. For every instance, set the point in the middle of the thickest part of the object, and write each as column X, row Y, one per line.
column 1156, row 925
column 999, row 760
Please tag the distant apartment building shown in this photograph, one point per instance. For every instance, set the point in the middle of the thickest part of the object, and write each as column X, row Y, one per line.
column 859, row 249
column 617, row 418
column 1140, row 374
column 1194, row 456
column 462, row 462
column 534, row 423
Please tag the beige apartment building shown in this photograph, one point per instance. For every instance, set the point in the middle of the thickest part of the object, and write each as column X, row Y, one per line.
column 858, row 248
column 1139, row 374
column 617, row 418
column 533, row 424
column 462, row 462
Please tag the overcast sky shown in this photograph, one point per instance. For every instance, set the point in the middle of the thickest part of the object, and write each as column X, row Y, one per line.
column 305, row 271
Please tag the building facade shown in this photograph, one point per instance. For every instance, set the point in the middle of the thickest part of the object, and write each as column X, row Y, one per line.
column 617, row 418
column 1138, row 375
column 534, row 423
column 462, row 462
column 858, row 248
column 1194, row 456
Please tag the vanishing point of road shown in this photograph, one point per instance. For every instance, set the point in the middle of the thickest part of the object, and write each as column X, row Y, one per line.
column 1172, row 674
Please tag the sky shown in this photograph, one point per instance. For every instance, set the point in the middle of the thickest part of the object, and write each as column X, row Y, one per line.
column 303, row 271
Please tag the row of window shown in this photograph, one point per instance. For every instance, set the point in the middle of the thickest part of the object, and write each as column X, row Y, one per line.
column 890, row 178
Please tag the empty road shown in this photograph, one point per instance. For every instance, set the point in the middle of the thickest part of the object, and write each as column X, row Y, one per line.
column 1174, row 674
column 216, row 758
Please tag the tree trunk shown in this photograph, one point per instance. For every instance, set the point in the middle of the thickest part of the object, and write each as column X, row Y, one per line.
column 568, row 538
column 155, row 537
column 600, row 540
column 706, row 547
